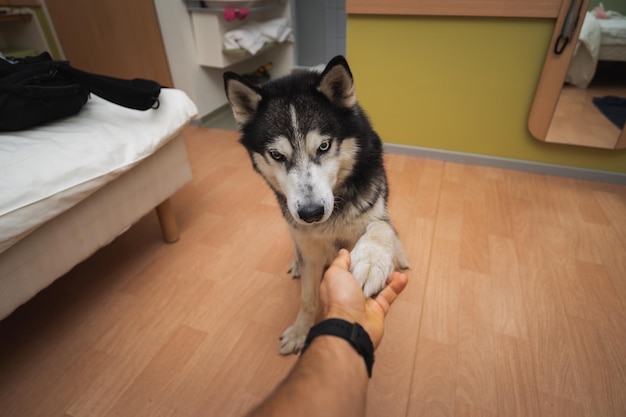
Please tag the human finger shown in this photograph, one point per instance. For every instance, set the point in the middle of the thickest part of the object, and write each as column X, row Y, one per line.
column 396, row 284
column 342, row 261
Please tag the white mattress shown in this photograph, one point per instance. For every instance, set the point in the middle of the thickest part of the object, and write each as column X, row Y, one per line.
column 600, row 39
column 613, row 31
column 612, row 53
column 613, row 39
column 49, row 169
column 56, row 246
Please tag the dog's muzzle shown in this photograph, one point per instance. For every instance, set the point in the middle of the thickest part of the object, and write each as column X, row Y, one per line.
column 311, row 213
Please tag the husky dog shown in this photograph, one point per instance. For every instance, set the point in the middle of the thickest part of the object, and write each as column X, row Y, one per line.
column 312, row 143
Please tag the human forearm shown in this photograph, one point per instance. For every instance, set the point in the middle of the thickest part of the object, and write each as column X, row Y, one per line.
column 330, row 379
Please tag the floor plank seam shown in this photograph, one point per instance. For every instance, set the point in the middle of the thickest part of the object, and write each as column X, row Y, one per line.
column 426, row 279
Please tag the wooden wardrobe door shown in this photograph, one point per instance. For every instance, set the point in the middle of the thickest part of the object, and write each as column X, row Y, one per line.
column 119, row 38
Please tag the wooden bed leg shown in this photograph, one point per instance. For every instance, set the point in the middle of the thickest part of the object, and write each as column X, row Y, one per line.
column 169, row 227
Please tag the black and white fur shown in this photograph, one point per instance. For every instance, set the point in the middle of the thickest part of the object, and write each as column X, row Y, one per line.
column 311, row 141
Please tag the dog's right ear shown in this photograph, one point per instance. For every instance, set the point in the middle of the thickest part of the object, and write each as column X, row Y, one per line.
column 336, row 82
column 244, row 98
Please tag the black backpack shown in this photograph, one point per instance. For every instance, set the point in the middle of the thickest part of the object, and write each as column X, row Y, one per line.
column 36, row 90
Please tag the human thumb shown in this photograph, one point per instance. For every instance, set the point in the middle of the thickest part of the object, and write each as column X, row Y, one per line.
column 342, row 261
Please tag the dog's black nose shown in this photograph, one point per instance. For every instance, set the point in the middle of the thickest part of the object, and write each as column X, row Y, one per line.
column 311, row 213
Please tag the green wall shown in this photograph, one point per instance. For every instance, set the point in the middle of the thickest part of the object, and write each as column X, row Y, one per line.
column 614, row 5
column 459, row 84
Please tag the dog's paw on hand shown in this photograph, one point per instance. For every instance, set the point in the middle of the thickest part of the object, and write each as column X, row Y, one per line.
column 292, row 340
column 372, row 276
column 371, row 265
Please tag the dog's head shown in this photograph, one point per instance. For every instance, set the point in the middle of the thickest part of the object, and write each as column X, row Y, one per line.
column 300, row 132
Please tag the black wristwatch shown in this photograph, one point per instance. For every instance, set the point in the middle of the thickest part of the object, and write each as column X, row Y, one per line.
column 354, row 333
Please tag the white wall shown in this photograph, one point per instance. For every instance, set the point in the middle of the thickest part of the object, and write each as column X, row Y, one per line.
column 204, row 85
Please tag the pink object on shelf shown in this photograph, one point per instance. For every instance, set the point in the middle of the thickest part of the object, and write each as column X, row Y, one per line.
column 232, row 14
column 229, row 14
column 242, row 13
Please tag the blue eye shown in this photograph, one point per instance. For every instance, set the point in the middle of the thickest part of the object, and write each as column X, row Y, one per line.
column 325, row 146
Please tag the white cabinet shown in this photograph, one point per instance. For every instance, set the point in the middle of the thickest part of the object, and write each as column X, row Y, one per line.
column 21, row 33
column 210, row 24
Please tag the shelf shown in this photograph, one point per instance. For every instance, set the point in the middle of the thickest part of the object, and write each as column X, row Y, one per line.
column 228, row 57
column 16, row 17
column 217, row 6
column 243, row 52
column 209, row 30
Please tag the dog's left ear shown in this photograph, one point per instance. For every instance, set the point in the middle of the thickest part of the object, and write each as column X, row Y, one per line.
column 244, row 98
column 337, row 84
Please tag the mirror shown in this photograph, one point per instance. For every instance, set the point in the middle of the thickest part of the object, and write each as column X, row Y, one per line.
column 581, row 96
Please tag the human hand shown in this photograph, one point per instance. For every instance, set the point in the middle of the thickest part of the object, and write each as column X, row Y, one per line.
column 341, row 297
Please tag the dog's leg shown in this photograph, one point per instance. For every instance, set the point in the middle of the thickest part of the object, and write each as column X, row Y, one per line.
column 294, row 270
column 375, row 255
column 293, row 338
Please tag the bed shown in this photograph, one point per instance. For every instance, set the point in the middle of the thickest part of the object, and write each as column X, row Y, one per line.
column 599, row 40
column 70, row 187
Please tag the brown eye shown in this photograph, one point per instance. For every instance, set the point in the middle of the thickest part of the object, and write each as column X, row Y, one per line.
column 276, row 155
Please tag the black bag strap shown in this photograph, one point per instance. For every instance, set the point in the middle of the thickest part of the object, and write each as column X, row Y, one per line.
column 13, row 65
column 5, row 67
column 138, row 93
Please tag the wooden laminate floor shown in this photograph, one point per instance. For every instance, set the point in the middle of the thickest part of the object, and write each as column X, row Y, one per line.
column 515, row 305
column 577, row 121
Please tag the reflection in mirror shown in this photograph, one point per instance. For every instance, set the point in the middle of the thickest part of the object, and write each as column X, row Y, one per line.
column 590, row 108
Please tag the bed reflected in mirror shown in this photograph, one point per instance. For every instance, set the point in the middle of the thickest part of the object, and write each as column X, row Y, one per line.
column 586, row 102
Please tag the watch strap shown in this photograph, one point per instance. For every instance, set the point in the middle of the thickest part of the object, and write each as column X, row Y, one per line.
column 354, row 333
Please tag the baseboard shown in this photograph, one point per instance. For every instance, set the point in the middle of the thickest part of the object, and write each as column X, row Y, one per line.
column 475, row 159
column 211, row 116
column 514, row 164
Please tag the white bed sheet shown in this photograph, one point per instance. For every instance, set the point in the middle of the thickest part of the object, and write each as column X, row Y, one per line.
column 585, row 58
column 612, row 53
column 61, row 243
column 46, row 170
column 600, row 39
column 613, row 31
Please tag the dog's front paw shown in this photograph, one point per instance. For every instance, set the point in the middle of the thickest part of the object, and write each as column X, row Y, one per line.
column 295, row 269
column 292, row 340
column 371, row 264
